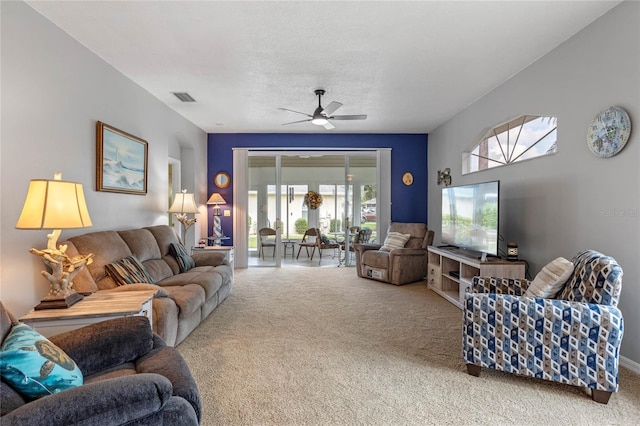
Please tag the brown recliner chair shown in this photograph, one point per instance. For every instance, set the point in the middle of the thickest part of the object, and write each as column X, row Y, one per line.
column 398, row 266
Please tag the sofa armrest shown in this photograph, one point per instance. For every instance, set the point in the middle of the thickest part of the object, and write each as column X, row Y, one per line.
column 209, row 258
column 408, row 252
column 168, row 362
column 361, row 248
column 513, row 286
column 108, row 402
column 568, row 342
column 107, row 344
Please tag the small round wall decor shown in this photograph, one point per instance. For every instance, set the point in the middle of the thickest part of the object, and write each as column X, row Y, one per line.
column 609, row 132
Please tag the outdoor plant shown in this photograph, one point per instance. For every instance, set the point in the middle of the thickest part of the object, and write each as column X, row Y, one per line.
column 301, row 225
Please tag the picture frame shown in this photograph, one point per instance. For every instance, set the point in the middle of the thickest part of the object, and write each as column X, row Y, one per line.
column 121, row 161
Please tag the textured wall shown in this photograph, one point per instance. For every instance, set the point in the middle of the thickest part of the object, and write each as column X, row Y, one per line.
column 561, row 204
column 53, row 92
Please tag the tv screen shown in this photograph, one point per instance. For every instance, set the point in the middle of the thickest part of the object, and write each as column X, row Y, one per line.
column 470, row 216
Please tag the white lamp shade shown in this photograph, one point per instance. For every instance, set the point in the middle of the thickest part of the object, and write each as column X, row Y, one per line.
column 216, row 199
column 54, row 204
column 184, row 203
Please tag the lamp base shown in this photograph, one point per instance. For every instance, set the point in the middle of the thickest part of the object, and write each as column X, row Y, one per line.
column 62, row 303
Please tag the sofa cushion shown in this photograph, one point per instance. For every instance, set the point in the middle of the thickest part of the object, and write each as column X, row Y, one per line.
column 10, row 398
column 184, row 259
column 165, row 236
column 128, row 271
column 34, row 366
column 550, row 279
column 107, row 247
column 395, row 240
column 376, row 259
column 159, row 269
column 141, row 243
column 189, row 298
column 207, row 277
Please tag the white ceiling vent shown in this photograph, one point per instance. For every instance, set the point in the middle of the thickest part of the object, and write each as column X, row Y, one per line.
column 183, row 96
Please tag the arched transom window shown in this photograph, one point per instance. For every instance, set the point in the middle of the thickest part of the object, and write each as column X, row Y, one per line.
column 526, row 137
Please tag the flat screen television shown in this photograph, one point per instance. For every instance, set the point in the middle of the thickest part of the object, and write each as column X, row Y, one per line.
column 470, row 216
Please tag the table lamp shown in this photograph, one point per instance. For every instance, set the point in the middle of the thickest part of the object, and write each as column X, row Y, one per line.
column 216, row 199
column 183, row 204
column 56, row 205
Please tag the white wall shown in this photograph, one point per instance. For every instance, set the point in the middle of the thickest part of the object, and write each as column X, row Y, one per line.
column 53, row 92
column 564, row 203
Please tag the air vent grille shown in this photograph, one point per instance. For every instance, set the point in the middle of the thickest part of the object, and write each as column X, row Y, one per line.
column 183, row 96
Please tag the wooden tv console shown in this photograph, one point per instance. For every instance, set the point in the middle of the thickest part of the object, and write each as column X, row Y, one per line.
column 450, row 271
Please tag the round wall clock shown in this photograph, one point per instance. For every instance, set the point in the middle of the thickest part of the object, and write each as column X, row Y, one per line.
column 222, row 179
column 407, row 178
column 609, row 132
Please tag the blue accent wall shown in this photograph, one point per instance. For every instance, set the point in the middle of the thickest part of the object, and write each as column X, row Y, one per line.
column 408, row 153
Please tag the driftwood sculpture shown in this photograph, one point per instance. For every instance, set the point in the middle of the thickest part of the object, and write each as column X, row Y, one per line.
column 63, row 268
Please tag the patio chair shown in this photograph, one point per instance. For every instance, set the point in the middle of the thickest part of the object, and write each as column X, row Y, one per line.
column 313, row 239
column 264, row 240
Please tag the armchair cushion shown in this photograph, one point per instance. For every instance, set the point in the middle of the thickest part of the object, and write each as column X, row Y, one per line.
column 109, row 402
column 596, row 279
column 551, row 278
column 107, row 344
column 34, row 366
column 512, row 286
column 395, row 240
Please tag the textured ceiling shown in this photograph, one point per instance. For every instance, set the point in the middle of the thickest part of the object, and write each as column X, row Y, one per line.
column 409, row 66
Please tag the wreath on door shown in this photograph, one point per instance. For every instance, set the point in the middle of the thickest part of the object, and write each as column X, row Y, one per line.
column 313, row 200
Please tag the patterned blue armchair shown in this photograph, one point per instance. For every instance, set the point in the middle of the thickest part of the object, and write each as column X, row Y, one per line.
column 573, row 339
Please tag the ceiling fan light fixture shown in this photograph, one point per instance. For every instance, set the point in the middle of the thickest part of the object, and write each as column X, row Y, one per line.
column 319, row 121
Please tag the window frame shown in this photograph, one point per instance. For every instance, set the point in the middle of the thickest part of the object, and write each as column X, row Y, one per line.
column 508, row 149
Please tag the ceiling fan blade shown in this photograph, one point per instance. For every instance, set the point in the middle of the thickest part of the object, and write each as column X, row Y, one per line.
column 297, row 112
column 294, row 122
column 331, row 108
column 349, row 117
column 328, row 125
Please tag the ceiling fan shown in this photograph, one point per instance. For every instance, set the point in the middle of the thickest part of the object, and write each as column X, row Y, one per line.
column 321, row 116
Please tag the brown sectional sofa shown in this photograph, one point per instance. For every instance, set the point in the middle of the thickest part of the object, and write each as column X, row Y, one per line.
column 183, row 299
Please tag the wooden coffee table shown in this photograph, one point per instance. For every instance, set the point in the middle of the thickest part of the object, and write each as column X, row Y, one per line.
column 99, row 306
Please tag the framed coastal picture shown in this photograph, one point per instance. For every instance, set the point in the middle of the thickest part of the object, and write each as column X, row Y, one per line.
column 121, row 161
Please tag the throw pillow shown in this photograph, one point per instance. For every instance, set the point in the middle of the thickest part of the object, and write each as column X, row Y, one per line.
column 184, row 259
column 550, row 279
column 34, row 366
column 128, row 271
column 395, row 240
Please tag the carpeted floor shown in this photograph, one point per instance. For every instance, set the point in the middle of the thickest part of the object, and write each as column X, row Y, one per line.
column 319, row 346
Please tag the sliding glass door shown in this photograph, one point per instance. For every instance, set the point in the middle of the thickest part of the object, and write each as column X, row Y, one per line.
column 271, row 196
column 264, row 206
